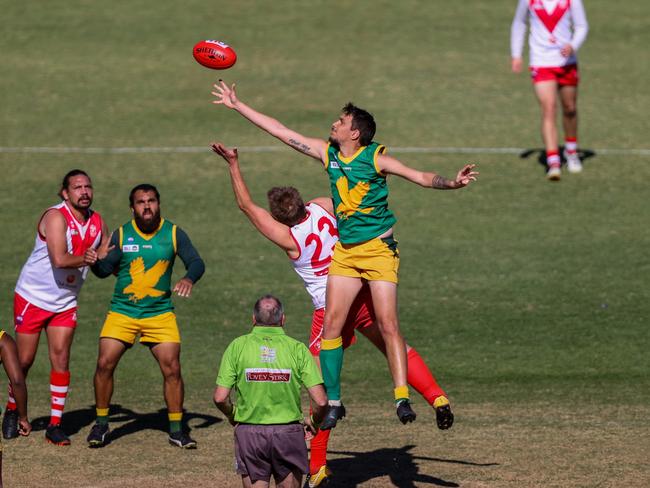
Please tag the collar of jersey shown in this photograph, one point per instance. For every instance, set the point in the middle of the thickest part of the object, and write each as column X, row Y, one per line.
column 343, row 159
column 268, row 329
column 146, row 237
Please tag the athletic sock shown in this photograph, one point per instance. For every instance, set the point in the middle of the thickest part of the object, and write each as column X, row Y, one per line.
column 11, row 401
column 102, row 416
column 421, row 378
column 553, row 159
column 59, row 383
column 318, row 451
column 571, row 144
column 175, row 421
column 331, row 362
column 401, row 393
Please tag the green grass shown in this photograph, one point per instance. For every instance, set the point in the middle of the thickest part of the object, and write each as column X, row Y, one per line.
column 521, row 294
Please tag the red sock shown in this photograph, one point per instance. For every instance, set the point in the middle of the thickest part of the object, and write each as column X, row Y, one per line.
column 571, row 144
column 59, row 382
column 553, row 158
column 318, row 451
column 11, row 401
column 421, row 378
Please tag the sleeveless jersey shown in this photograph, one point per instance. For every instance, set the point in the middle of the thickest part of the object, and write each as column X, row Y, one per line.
column 143, row 286
column 56, row 289
column 315, row 237
column 360, row 194
column 553, row 23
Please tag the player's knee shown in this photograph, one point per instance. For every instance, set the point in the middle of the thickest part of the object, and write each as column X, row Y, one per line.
column 570, row 111
column 389, row 328
column 105, row 366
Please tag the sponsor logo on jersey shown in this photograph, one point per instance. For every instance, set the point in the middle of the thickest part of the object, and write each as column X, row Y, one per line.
column 130, row 239
column 70, row 279
column 334, row 163
column 130, row 248
column 93, row 230
column 74, row 232
column 267, row 354
column 267, row 375
column 147, row 246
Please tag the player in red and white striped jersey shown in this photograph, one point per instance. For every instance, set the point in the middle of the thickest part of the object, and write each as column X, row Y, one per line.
column 557, row 30
column 308, row 233
column 70, row 236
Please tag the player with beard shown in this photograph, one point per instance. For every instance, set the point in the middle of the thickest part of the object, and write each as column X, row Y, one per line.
column 68, row 239
column 143, row 259
column 366, row 251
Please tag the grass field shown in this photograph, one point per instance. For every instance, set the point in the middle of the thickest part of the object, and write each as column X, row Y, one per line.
column 528, row 299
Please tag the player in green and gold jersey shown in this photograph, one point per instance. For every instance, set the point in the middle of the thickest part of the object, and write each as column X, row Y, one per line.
column 142, row 256
column 357, row 169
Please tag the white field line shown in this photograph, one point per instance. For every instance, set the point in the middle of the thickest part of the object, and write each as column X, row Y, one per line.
column 264, row 149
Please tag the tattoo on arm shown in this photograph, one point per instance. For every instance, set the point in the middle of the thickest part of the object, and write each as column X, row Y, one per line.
column 300, row 146
column 440, row 183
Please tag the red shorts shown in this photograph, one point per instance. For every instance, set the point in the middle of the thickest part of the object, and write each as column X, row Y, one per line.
column 360, row 316
column 564, row 75
column 30, row 319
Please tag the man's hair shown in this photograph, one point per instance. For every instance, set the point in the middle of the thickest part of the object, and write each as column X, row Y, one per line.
column 286, row 205
column 143, row 187
column 362, row 121
column 65, row 184
column 268, row 311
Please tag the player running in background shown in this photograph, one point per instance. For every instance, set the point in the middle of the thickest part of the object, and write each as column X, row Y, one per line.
column 143, row 259
column 366, row 251
column 308, row 234
column 557, row 30
column 11, row 364
column 68, row 240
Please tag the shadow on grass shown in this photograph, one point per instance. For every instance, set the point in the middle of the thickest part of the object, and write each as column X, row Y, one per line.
column 399, row 464
column 75, row 421
column 541, row 155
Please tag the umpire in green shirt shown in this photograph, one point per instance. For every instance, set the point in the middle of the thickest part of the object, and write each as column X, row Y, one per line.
column 267, row 368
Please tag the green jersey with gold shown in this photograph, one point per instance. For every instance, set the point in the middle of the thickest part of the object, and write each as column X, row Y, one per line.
column 143, row 287
column 360, row 193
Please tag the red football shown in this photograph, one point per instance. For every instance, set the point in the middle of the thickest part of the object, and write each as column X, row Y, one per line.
column 214, row 54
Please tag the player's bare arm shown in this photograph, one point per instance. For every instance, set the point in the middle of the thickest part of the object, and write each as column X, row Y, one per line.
column 53, row 226
column 390, row 165
column 313, row 147
column 11, row 364
column 262, row 220
column 224, row 404
column 325, row 203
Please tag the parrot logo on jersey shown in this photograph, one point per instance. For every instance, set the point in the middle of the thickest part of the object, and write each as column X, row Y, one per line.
column 351, row 199
column 143, row 281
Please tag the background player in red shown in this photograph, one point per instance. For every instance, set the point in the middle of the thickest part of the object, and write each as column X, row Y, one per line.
column 307, row 234
column 9, row 359
column 68, row 239
column 557, row 30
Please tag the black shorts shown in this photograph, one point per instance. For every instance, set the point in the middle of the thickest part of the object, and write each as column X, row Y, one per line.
column 262, row 451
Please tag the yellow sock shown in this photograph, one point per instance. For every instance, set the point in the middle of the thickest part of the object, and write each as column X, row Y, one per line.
column 401, row 393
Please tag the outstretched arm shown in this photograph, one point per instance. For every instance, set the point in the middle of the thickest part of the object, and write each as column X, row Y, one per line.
column 390, row 165
column 274, row 231
column 313, row 147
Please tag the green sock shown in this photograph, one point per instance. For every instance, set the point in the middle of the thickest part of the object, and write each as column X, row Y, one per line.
column 175, row 421
column 331, row 363
column 102, row 416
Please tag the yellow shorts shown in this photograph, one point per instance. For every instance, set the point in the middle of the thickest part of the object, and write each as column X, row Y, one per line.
column 157, row 329
column 373, row 260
